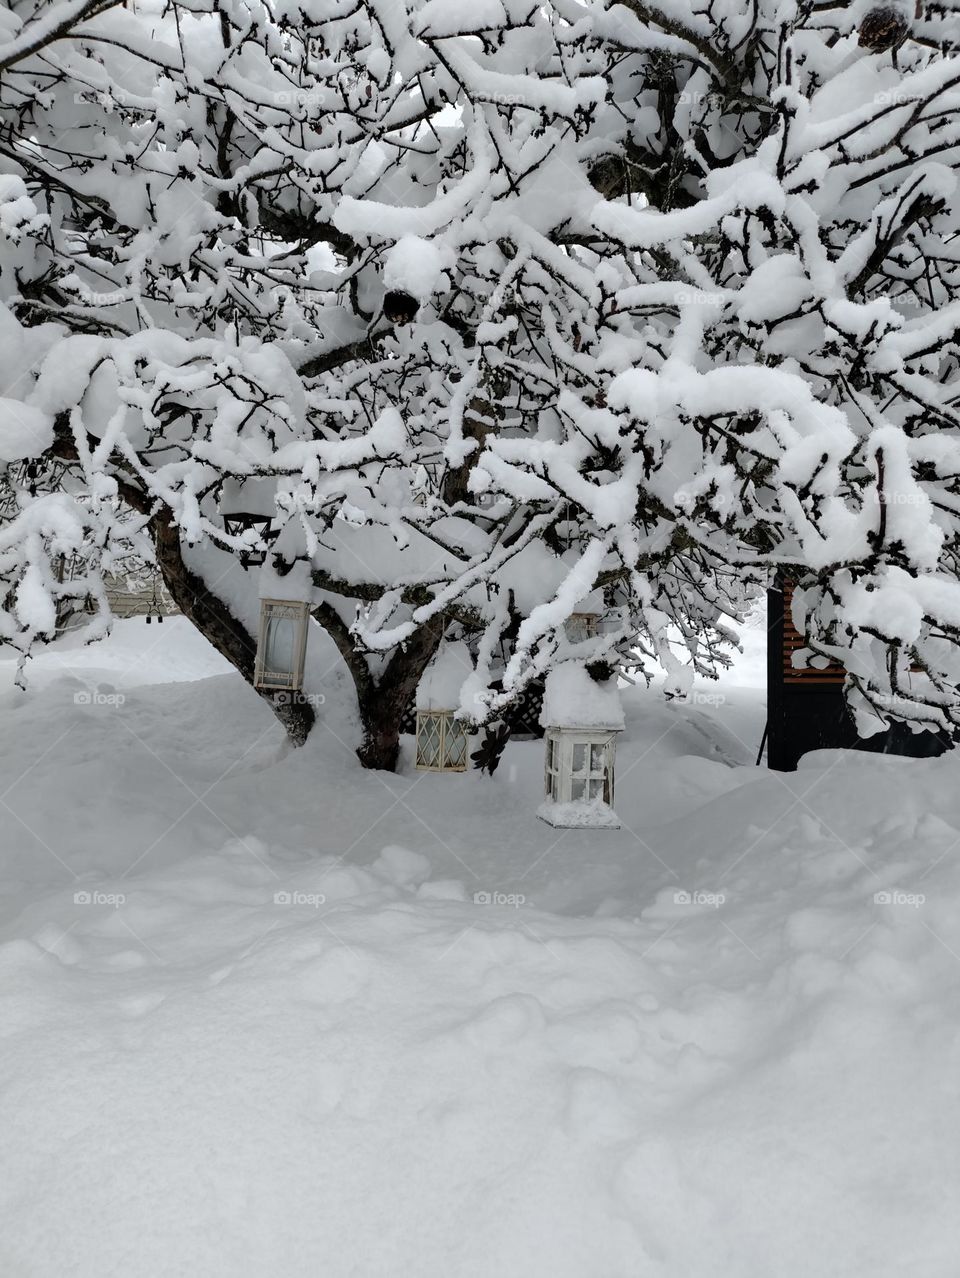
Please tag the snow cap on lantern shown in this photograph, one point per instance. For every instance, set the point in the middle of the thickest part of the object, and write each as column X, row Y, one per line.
column 249, row 504
column 412, row 273
column 255, row 494
column 441, row 737
column 582, row 718
column 439, row 689
column 414, row 266
column 572, row 699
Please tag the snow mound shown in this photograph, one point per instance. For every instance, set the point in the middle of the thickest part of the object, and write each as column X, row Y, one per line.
column 263, row 1013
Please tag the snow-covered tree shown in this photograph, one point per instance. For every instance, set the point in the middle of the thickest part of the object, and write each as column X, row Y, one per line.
column 515, row 303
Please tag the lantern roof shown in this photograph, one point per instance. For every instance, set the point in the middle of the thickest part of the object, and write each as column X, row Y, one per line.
column 294, row 586
column 253, row 496
column 443, row 679
column 572, row 699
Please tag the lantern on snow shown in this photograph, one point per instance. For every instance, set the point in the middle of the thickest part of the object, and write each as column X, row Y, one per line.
column 281, row 645
column 442, row 738
column 248, row 505
column 582, row 718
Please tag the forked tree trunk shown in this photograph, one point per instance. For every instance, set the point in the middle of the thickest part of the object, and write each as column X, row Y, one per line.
column 383, row 700
column 384, row 703
column 381, row 716
column 219, row 626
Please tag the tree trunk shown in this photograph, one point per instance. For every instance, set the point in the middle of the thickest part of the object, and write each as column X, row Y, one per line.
column 220, row 627
column 384, row 704
column 381, row 716
column 199, row 605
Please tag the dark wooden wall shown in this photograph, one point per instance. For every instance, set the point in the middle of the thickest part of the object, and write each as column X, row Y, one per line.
column 806, row 710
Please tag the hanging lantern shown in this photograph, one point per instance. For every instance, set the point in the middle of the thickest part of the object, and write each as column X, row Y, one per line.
column 281, row 645
column 580, row 626
column 582, row 719
column 442, row 738
column 248, row 505
column 585, row 623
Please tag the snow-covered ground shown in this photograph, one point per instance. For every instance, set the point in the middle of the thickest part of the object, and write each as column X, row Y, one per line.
column 266, row 1014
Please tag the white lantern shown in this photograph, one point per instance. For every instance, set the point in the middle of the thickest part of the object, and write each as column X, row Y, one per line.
column 441, row 742
column 581, row 626
column 282, row 644
column 584, row 624
column 442, row 738
column 582, row 719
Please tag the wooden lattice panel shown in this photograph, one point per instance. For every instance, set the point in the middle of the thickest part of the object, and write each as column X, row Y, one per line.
column 793, row 641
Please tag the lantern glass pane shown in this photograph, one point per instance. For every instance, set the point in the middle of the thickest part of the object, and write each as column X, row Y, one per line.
column 455, row 741
column 580, row 627
column 428, row 741
column 597, row 757
column 579, row 757
column 577, row 789
column 279, row 645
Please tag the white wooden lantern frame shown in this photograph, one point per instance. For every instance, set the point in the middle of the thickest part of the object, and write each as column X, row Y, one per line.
column 579, row 765
column 283, row 633
column 581, row 626
column 442, row 742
